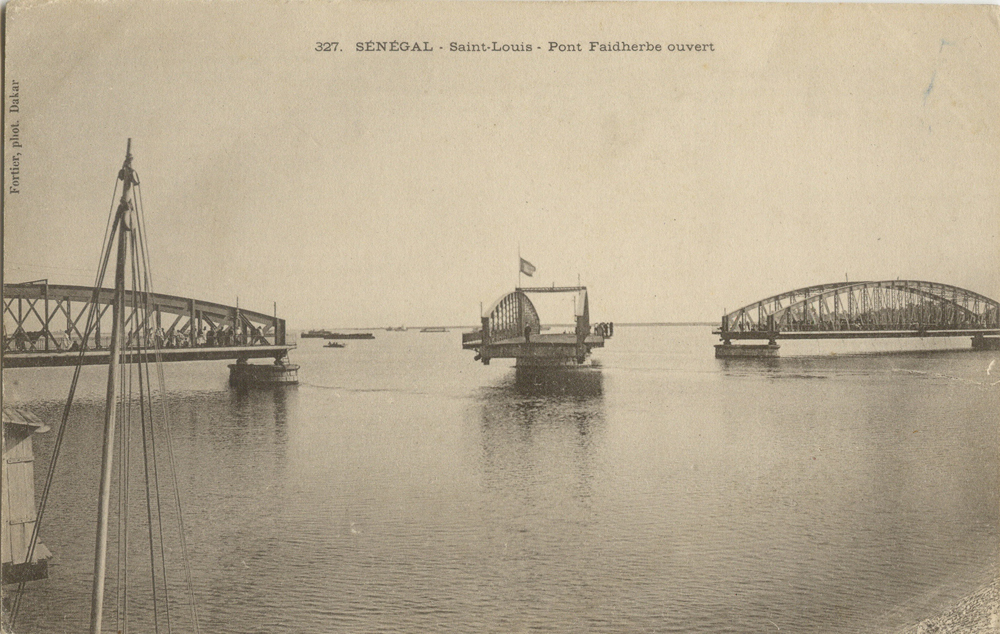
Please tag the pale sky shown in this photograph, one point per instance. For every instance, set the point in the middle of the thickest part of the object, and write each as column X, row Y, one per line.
column 376, row 189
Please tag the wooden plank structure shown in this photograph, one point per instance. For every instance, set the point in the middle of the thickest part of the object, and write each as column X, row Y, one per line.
column 511, row 329
column 18, row 511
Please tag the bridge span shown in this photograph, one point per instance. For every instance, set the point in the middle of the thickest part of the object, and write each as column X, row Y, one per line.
column 861, row 310
column 511, row 329
column 48, row 325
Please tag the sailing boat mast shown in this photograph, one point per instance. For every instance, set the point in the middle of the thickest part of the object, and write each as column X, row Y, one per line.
column 123, row 224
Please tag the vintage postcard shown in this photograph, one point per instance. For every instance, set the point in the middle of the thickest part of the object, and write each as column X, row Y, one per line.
column 500, row 317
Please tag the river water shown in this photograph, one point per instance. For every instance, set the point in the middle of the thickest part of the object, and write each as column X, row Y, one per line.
column 402, row 487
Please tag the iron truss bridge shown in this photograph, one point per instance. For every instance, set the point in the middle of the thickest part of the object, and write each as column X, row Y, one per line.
column 846, row 310
column 512, row 329
column 46, row 325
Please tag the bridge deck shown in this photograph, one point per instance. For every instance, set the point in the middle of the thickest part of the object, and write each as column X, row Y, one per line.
column 548, row 348
column 763, row 335
column 560, row 339
column 96, row 357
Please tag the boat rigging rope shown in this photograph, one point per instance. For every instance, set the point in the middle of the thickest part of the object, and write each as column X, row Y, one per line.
column 93, row 318
column 146, row 402
column 136, row 350
column 181, row 531
column 125, row 434
column 125, row 460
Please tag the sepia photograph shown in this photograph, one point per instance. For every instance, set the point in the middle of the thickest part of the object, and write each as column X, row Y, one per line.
column 441, row 316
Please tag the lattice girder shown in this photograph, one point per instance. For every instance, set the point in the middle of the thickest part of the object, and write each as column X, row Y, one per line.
column 889, row 304
column 35, row 316
column 509, row 316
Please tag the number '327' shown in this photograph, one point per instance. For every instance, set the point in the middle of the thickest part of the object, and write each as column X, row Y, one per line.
column 326, row 47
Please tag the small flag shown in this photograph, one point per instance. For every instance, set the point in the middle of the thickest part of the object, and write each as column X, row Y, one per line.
column 527, row 267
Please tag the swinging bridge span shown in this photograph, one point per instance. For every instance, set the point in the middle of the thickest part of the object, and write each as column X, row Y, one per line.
column 511, row 329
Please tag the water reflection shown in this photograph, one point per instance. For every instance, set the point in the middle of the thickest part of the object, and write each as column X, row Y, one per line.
column 584, row 383
column 253, row 404
column 539, row 467
column 824, row 366
column 540, row 428
column 530, row 398
column 238, row 496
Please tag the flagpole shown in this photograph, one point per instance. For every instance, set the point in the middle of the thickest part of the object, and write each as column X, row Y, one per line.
column 518, row 266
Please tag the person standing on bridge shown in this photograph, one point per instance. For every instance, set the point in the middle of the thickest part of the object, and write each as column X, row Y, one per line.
column 527, row 334
column 64, row 342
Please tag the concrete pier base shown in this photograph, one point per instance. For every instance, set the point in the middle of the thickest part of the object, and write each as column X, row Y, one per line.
column 559, row 362
column 245, row 374
column 758, row 351
column 980, row 342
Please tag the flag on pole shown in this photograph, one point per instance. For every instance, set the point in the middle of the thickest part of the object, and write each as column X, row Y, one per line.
column 527, row 267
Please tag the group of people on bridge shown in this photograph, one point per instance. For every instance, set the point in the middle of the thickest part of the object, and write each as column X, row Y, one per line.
column 222, row 336
column 209, row 336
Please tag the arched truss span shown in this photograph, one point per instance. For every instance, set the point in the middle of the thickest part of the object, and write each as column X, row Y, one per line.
column 510, row 315
column 871, row 306
column 36, row 315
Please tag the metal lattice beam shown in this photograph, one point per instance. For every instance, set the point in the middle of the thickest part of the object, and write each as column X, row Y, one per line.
column 509, row 316
column 30, row 313
column 890, row 305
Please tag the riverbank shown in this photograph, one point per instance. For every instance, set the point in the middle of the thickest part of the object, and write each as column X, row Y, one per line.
column 978, row 613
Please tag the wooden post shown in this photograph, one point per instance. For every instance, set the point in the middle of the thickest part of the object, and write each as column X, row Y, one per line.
column 45, row 294
column 110, row 404
column 483, row 349
column 276, row 325
column 192, row 335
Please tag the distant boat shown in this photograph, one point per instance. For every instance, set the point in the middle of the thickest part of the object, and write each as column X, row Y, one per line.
column 333, row 344
column 434, row 329
column 326, row 334
column 316, row 334
column 398, row 329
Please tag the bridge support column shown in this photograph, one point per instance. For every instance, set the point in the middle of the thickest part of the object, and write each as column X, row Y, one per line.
column 979, row 342
column 726, row 350
column 485, row 340
column 243, row 374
